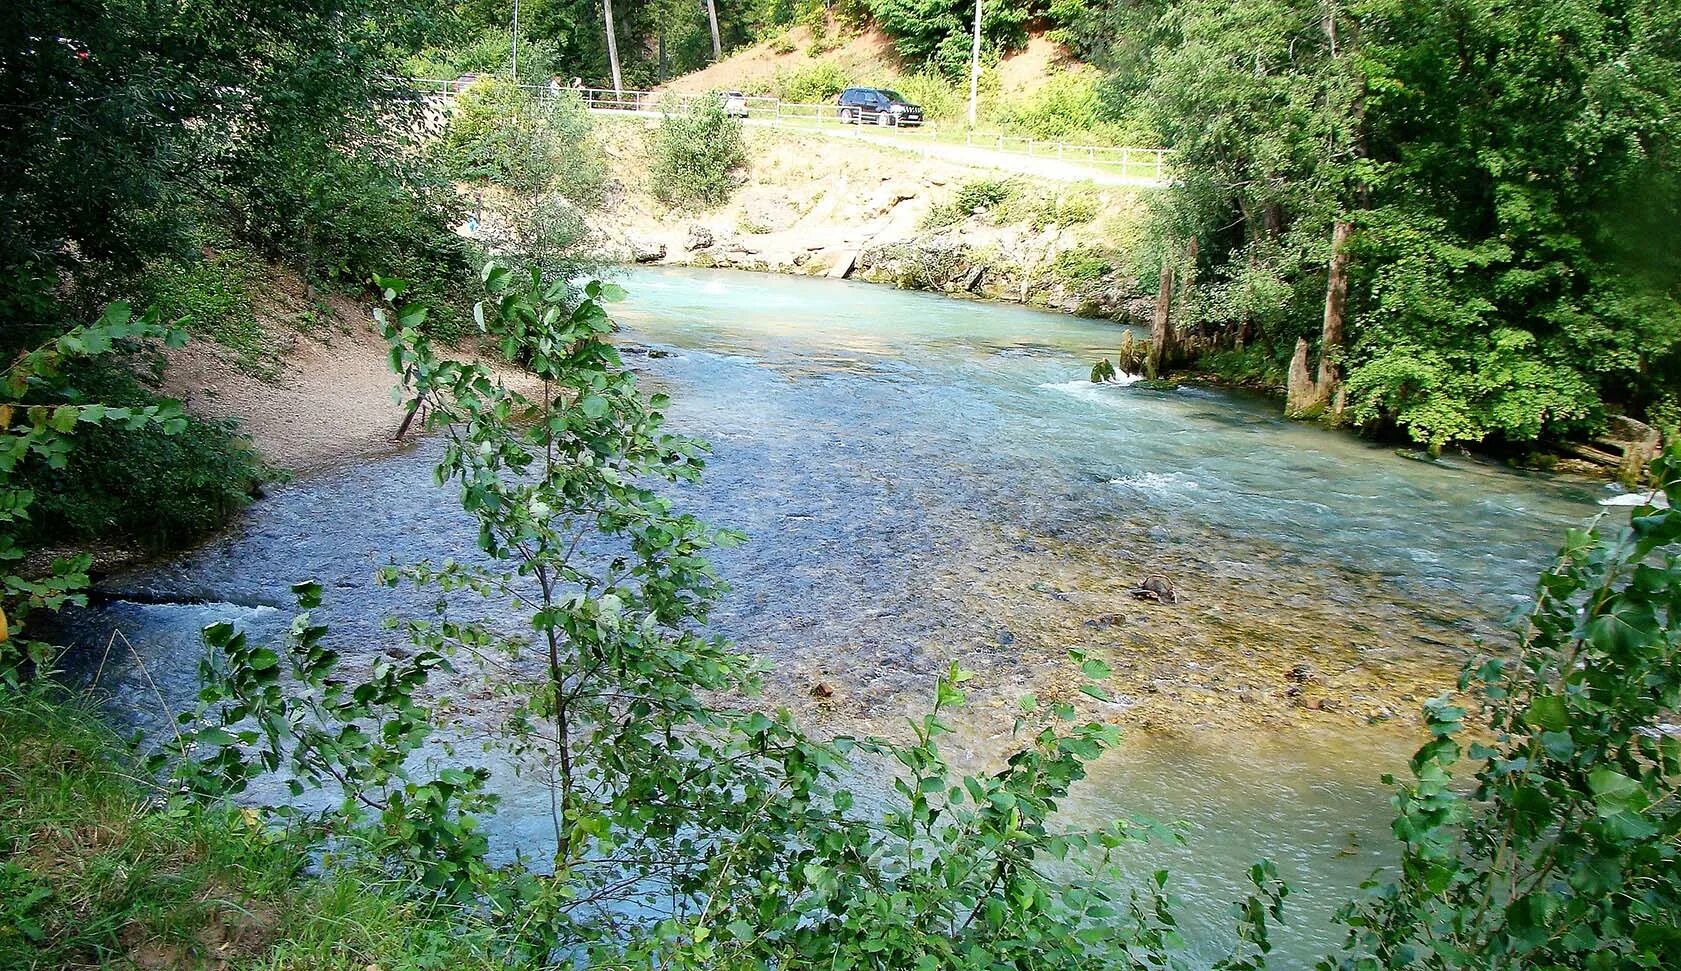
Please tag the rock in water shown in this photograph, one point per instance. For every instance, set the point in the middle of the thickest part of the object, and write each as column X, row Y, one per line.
column 646, row 251
column 1158, row 588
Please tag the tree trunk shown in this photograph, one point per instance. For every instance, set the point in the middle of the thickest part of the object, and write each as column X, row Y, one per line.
column 1336, row 302
column 612, row 46
column 1161, row 325
column 1299, row 389
column 1187, row 283
column 717, row 45
column 975, row 66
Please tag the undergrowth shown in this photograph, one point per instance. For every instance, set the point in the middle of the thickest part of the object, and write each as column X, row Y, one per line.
column 144, row 485
column 99, row 869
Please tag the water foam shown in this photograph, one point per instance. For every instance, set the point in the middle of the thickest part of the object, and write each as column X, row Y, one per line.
column 1084, row 387
column 1656, row 499
column 1158, row 483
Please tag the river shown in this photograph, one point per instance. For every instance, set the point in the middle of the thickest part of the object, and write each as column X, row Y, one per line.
column 925, row 479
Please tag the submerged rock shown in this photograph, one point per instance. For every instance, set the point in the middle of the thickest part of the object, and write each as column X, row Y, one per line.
column 1157, row 588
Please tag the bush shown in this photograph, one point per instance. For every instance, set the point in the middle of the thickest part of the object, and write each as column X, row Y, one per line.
column 695, row 154
column 211, row 297
column 814, row 84
column 489, row 53
column 983, row 194
column 341, row 215
column 146, row 485
column 940, row 99
column 1082, row 265
column 1039, row 207
column 1066, row 105
column 548, row 233
column 1006, row 201
column 500, row 133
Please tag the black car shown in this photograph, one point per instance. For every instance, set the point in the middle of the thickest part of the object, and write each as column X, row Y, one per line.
column 878, row 106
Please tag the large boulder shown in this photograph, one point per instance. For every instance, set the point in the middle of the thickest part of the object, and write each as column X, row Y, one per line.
column 699, row 238
column 646, row 250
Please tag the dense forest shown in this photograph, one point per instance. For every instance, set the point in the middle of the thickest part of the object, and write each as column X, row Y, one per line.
column 1464, row 215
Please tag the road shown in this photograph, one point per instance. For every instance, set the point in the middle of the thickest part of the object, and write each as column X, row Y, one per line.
column 976, row 156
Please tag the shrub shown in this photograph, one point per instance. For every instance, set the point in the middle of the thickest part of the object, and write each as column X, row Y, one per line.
column 1066, row 105
column 1006, row 201
column 1039, row 207
column 488, row 53
column 503, row 134
column 1082, row 265
column 695, row 154
column 814, row 84
column 211, row 297
column 340, row 215
column 985, row 194
column 940, row 99
column 549, row 233
column 159, row 487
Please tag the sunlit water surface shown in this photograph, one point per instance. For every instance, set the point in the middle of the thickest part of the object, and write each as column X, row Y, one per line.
column 904, row 465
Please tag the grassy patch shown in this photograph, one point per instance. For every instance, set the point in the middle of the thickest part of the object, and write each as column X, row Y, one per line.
column 1082, row 265
column 1002, row 202
column 98, row 869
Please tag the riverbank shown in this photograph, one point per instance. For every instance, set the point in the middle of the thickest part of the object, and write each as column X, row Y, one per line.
column 807, row 206
column 810, row 207
column 327, row 395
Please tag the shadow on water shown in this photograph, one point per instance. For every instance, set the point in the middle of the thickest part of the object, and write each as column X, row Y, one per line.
column 925, row 479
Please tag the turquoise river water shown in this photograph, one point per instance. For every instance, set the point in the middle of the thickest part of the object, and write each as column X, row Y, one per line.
column 923, row 479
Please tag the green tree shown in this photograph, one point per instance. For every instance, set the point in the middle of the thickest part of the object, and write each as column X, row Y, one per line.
column 939, row 32
column 1476, row 163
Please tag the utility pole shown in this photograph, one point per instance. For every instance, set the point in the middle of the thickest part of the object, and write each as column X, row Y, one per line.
column 975, row 65
column 516, row 42
column 612, row 47
column 712, row 14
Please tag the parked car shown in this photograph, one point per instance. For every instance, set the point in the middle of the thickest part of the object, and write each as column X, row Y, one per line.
column 735, row 104
column 878, row 106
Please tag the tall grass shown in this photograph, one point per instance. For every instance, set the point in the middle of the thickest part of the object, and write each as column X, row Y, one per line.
column 99, row 868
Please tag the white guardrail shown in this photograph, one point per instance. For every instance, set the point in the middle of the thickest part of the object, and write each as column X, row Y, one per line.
column 1145, row 164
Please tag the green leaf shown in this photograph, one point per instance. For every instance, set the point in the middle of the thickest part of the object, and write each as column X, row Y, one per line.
column 1548, row 712
column 1625, row 627
column 1613, row 791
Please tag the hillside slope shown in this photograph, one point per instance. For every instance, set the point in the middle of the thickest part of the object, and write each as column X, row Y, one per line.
column 866, row 57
